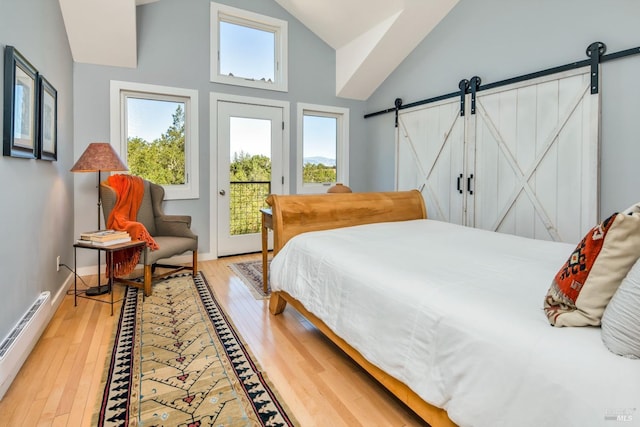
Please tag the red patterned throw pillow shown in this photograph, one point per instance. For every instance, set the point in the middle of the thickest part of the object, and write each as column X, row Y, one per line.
column 584, row 285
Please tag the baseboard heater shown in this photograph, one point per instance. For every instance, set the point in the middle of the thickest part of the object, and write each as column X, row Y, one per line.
column 17, row 345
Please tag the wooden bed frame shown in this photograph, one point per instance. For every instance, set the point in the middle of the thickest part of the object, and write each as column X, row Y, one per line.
column 295, row 214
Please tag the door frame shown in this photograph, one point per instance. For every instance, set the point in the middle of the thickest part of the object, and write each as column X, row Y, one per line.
column 214, row 98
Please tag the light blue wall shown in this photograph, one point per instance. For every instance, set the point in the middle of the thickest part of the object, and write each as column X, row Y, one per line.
column 36, row 203
column 173, row 50
column 499, row 39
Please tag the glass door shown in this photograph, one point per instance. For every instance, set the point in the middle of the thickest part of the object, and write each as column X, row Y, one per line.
column 250, row 140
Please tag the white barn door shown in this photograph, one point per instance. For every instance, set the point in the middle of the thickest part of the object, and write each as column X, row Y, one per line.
column 525, row 163
column 536, row 158
column 430, row 150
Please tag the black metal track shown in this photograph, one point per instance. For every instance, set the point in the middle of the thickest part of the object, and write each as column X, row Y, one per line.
column 524, row 77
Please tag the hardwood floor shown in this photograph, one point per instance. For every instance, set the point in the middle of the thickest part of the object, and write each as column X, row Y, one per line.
column 59, row 384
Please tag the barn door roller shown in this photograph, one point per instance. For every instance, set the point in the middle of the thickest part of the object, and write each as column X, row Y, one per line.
column 398, row 104
column 464, row 86
column 595, row 51
column 474, row 84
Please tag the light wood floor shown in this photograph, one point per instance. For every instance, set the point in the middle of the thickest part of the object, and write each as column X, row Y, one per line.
column 59, row 384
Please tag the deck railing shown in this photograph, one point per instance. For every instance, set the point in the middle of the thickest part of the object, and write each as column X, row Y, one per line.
column 247, row 198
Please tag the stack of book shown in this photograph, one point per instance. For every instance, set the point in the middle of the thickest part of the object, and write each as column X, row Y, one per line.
column 104, row 237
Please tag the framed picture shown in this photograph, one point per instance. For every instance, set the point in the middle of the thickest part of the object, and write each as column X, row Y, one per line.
column 48, row 120
column 20, row 106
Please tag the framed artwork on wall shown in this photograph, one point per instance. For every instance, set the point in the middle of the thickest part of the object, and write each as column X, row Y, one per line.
column 48, row 120
column 20, row 106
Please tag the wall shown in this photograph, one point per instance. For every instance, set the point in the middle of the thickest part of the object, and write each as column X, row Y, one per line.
column 499, row 39
column 36, row 208
column 173, row 50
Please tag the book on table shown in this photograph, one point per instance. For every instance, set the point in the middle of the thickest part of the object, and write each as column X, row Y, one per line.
column 105, row 243
column 104, row 235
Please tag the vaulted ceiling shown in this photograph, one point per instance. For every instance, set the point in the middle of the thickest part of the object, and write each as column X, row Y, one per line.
column 370, row 37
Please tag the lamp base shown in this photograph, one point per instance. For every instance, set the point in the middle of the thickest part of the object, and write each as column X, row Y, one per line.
column 97, row 290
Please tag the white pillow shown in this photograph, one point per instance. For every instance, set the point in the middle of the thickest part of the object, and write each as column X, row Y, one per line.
column 621, row 318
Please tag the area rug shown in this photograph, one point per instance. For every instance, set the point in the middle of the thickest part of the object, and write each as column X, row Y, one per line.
column 250, row 272
column 178, row 361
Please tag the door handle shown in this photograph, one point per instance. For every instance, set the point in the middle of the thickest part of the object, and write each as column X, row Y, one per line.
column 458, row 183
column 222, row 192
column 469, row 184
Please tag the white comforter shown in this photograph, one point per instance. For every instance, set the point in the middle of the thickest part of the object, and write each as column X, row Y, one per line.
column 456, row 314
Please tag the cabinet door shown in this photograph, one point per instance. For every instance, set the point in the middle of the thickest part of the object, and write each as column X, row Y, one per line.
column 430, row 157
column 536, row 158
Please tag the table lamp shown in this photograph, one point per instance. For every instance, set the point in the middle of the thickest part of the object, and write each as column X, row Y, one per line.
column 98, row 157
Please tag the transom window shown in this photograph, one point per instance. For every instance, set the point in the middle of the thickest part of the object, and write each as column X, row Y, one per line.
column 248, row 49
column 323, row 147
column 157, row 128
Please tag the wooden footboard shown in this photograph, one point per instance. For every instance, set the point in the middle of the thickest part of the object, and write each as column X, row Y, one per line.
column 297, row 214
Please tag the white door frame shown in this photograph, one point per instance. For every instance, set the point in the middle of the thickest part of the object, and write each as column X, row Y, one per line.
column 214, row 98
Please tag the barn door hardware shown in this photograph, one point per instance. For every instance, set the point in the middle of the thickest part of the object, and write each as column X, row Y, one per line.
column 596, row 55
column 595, row 51
column 458, row 183
column 474, row 85
column 398, row 104
column 464, row 86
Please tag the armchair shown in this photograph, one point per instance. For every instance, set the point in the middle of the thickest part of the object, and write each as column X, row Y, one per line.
column 172, row 233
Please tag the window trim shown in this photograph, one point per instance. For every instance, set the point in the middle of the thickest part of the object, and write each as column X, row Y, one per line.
column 120, row 89
column 252, row 20
column 342, row 146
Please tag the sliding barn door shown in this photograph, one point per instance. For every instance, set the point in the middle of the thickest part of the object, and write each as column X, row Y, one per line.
column 536, row 158
column 431, row 157
column 525, row 163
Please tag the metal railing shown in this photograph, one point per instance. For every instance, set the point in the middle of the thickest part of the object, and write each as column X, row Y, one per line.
column 246, row 200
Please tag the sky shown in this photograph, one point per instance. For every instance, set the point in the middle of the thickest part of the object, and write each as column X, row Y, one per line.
column 148, row 119
column 241, row 48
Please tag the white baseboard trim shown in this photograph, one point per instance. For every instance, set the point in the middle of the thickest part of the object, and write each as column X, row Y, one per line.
column 27, row 333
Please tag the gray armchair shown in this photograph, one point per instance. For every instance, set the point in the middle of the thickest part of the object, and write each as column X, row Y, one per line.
column 172, row 232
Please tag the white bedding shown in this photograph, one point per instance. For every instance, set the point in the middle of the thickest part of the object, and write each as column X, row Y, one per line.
column 456, row 314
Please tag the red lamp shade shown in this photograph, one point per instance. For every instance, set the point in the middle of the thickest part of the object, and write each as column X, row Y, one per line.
column 99, row 156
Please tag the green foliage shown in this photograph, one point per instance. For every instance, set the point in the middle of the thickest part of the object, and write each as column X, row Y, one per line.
column 250, row 177
column 318, row 173
column 161, row 161
column 245, row 167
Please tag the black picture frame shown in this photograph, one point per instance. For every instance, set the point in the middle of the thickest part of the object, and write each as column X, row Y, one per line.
column 47, row 120
column 20, row 133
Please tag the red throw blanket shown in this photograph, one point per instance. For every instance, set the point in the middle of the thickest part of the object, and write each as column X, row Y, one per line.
column 129, row 191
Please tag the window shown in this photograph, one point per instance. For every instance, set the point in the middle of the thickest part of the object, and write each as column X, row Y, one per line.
column 155, row 129
column 248, row 49
column 323, row 147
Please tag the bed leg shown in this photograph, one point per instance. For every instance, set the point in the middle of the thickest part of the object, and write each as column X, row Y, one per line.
column 277, row 304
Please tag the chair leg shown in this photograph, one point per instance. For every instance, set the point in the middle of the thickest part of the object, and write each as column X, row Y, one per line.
column 195, row 262
column 147, row 280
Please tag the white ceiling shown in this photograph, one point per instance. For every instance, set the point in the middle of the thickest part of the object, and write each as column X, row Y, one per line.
column 101, row 31
column 370, row 37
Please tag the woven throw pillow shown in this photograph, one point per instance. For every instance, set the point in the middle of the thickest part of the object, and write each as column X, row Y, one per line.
column 584, row 285
column 621, row 318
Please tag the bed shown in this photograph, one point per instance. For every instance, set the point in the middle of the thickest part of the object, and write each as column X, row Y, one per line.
column 448, row 318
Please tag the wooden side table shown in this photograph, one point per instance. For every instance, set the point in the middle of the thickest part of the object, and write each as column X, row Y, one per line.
column 110, row 250
column 267, row 224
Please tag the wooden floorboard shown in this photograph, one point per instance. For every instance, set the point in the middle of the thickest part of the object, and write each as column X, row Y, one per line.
column 59, row 384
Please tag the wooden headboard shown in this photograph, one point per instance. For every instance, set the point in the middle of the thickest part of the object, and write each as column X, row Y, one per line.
column 295, row 214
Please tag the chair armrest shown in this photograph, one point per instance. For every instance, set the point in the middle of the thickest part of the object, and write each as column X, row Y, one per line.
column 174, row 225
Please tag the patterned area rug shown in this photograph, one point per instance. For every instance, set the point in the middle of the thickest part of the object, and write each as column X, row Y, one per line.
column 250, row 272
column 178, row 361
